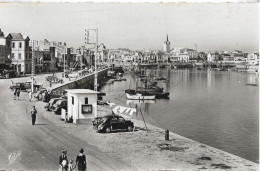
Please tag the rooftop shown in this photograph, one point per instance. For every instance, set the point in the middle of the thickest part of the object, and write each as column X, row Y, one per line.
column 82, row 91
column 17, row 36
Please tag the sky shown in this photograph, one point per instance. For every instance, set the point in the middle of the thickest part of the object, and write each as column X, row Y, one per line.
column 213, row 27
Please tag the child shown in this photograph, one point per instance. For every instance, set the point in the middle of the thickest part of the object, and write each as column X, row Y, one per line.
column 71, row 166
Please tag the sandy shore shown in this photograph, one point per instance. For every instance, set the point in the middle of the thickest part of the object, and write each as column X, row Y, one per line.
column 144, row 150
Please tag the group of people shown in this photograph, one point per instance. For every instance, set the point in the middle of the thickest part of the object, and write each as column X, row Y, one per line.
column 65, row 165
column 16, row 93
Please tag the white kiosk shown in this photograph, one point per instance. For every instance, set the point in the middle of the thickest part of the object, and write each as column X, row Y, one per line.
column 82, row 105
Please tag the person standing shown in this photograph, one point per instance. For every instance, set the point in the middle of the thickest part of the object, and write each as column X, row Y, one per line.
column 18, row 93
column 15, row 93
column 33, row 115
column 63, row 161
column 81, row 161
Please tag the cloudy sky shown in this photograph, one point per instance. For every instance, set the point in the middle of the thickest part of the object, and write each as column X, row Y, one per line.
column 228, row 26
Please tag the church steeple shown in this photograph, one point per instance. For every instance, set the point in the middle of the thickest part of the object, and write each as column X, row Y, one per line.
column 167, row 45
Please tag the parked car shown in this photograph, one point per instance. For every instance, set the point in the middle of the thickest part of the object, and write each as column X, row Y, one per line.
column 60, row 104
column 38, row 95
column 24, row 86
column 21, row 86
column 50, row 104
column 114, row 123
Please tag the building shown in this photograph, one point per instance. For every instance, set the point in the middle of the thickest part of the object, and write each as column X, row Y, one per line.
column 238, row 56
column 202, row 56
column 252, row 59
column 82, row 105
column 167, row 45
column 2, row 48
column 21, row 54
column 179, row 58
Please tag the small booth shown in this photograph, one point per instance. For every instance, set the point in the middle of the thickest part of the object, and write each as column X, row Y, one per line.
column 82, row 105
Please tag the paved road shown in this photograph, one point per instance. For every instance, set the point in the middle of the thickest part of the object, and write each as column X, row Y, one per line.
column 39, row 146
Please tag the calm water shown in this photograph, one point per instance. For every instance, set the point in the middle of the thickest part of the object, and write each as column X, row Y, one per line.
column 217, row 108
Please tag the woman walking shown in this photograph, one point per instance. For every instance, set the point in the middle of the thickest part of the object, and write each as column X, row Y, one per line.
column 81, row 161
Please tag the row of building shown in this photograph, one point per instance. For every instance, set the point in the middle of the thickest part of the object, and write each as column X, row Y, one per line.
column 26, row 55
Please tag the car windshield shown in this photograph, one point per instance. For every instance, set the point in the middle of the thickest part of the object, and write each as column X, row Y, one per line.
column 102, row 120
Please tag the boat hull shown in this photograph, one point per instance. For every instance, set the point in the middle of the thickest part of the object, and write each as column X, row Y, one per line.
column 139, row 97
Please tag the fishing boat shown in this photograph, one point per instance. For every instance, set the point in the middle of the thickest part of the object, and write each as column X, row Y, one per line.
column 139, row 96
column 158, row 95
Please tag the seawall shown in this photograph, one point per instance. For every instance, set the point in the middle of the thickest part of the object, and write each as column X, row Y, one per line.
column 83, row 82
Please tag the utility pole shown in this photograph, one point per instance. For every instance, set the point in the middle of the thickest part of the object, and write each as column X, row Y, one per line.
column 96, row 49
column 32, row 77
column 96, row 46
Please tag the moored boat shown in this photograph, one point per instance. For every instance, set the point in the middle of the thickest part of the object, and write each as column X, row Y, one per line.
column 139, row 96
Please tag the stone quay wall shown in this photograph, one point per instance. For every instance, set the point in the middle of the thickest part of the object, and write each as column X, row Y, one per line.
column 86, row 82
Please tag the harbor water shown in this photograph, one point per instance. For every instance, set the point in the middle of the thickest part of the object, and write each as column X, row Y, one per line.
column 217, row 108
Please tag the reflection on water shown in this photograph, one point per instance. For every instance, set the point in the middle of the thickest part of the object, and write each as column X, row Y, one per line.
column 217, row 108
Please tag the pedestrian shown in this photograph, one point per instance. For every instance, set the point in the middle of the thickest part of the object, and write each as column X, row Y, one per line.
column 50, row 83
column 18, row 93
column 30, row 95
column 63, row 161
column 33, row 115
column 11, row 83
column 15, row 93
column 71, row 166
column 81, row 161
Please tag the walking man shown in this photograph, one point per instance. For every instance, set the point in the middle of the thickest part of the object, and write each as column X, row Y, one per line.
column 33, row 115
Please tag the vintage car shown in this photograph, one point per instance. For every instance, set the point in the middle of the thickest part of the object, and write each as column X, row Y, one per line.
column 50, row 104
column 24, row 86
column 38, row 95
column 60, row 104
column 113, row 123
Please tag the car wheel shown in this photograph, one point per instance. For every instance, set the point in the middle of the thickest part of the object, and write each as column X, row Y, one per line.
column 108, row 129
column 129, row 128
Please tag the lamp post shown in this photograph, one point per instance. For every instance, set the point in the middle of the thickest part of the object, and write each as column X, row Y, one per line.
column 96, row 52
column 32, row 77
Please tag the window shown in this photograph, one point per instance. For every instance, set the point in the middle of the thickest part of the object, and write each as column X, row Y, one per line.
column 86, row 100
column 13, row 45
column 8, row 44
column 120, row 119
column 26, row 55
column 12, row 55
column 20, row 55
column 72, row 100
column 20, row 44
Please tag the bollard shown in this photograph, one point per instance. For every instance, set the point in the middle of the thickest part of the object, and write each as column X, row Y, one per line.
column 166, row 135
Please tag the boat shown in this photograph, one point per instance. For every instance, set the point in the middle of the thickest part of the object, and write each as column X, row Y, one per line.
column 139, row 96
column 150, row 89
column 158, row 95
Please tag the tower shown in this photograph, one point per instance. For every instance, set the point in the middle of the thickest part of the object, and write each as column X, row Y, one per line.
column 167, row 45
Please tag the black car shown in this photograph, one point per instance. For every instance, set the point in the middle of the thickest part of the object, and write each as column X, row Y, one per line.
column 59, row 105
column 113, row 123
